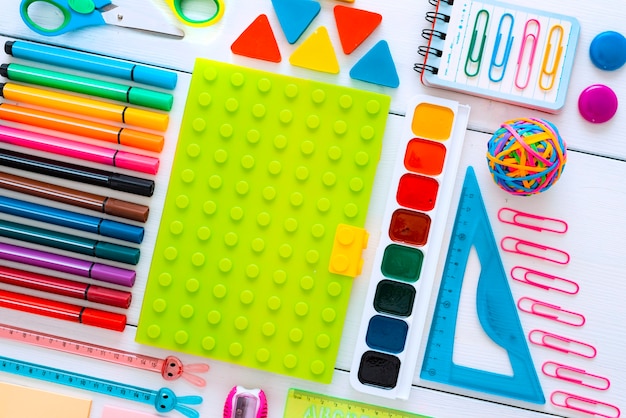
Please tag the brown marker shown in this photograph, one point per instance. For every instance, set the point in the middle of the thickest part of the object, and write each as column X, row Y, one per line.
column 75, row 197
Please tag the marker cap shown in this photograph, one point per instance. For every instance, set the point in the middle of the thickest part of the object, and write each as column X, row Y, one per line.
column 143, row 140
column 131, row 184
column 146, row 118
column 121, row 253
column 150, row 98
column 136, row 162
column 103, row 319
column 154, row 77
column 124, row 209
column 107, row 296
column 111, row 274
column 121, row 231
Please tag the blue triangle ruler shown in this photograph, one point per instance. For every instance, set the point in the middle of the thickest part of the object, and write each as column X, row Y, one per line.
column 495, row 308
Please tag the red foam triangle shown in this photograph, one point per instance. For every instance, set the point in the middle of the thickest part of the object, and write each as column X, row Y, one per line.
column 257, row 41
column 354, row 26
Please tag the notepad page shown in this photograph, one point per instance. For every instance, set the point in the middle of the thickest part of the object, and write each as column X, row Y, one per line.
column 24, row 402
column 457, row 47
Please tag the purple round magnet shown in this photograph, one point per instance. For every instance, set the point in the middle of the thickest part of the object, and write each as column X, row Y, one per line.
column 597, row 103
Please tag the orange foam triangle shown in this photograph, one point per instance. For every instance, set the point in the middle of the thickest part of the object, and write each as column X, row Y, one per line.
column 354, row 26
column 316, row 53
column 257, row 41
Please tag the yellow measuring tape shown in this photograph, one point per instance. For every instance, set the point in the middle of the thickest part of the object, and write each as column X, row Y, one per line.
column 303, row 404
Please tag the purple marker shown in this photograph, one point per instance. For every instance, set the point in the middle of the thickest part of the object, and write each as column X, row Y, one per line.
column 96, row 271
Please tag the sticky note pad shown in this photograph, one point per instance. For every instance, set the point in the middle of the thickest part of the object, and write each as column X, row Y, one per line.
column 115, row 412
column 266, row 167
column 25, row 402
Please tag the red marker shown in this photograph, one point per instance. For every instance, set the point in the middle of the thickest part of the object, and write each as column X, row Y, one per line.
column 64, row 287
column 60, row 310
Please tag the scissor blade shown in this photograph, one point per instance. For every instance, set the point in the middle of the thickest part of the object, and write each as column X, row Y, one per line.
column 120, row 16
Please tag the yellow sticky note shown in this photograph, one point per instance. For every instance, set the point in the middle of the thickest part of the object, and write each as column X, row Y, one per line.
column 23, row 402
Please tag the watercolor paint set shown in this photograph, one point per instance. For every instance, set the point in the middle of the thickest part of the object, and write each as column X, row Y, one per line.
column 406, row 259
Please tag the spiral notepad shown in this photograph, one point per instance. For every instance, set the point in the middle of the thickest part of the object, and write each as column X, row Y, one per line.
column 499, row 51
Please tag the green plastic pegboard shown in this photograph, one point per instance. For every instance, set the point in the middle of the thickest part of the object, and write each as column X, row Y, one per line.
column 265, row 169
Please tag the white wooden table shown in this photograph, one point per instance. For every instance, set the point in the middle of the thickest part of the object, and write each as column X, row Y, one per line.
column 590, row 197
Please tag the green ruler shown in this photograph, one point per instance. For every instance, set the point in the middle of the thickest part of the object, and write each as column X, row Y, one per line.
column 303, row 404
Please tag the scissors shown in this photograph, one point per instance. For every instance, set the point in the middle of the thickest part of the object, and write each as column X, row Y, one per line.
column 78, row 14
column 177, row 8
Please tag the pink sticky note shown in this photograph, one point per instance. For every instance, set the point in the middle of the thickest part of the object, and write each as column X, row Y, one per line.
column 115, row 412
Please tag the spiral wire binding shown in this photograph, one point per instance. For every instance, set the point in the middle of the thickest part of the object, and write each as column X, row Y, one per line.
column 429, row 33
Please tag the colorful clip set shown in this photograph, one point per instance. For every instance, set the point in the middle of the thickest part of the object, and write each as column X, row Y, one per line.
column 411, row 238
column 558, row 343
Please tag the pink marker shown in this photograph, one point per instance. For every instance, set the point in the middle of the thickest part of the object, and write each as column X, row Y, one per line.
column 79, row 150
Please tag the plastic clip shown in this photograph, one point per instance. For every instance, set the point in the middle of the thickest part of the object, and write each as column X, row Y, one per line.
column 474, row 58
column 526, row 38
column 530, row 221
column 533, row 249
column 496, row 49
column 549, row 311
column 550, row 74
column 562, row 344
column 585, row 405
column 535, row 278
column 575, row 375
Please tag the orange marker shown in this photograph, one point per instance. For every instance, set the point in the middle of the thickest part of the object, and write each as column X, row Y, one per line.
column 75, row 126
column 85, row 106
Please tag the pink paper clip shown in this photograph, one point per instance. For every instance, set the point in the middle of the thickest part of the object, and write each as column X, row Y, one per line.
column 547, row 310
column 526, row 37
column 585, row 405
column 562, row 344
column 575, row 375
column 533, row 249
column 530, row 221
column 534, row 278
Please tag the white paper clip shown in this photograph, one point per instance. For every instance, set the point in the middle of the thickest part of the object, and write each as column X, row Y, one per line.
column 575, row 375
column 562, row 344
column 537, row 279
column 530, row 221
column 549, row 311
column 533, row 249
column 585, row 405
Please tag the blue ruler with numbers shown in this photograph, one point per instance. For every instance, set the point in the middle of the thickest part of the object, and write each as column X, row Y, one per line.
column 495, row 308
column 163, row 400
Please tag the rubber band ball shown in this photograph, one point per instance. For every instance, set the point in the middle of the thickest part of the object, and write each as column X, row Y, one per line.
column 526, row 156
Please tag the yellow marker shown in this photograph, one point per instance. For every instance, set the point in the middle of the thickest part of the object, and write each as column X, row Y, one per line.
column 345, row 258
column 85, row 106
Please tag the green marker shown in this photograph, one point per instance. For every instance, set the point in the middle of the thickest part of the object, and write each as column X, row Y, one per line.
column 128, row 94
column 63, row 241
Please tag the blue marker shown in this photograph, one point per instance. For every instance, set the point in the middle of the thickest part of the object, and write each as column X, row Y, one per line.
column 105, row 227
column 92, row 63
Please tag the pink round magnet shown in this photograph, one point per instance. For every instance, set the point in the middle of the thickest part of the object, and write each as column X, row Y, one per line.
column 597, row 103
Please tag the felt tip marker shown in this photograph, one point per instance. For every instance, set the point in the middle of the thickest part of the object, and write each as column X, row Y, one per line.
column 69, row 265
column 89, row 86
column 65, row 287
column 68, row 196
column 68, row 242
column 92, row 63
column 87, row 223
column 80, row 127
column 85, row 106
column 61, row 310
column 74, row 172
column 79, row 150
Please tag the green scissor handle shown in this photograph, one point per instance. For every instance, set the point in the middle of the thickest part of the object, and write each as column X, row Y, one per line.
column 177, row 8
